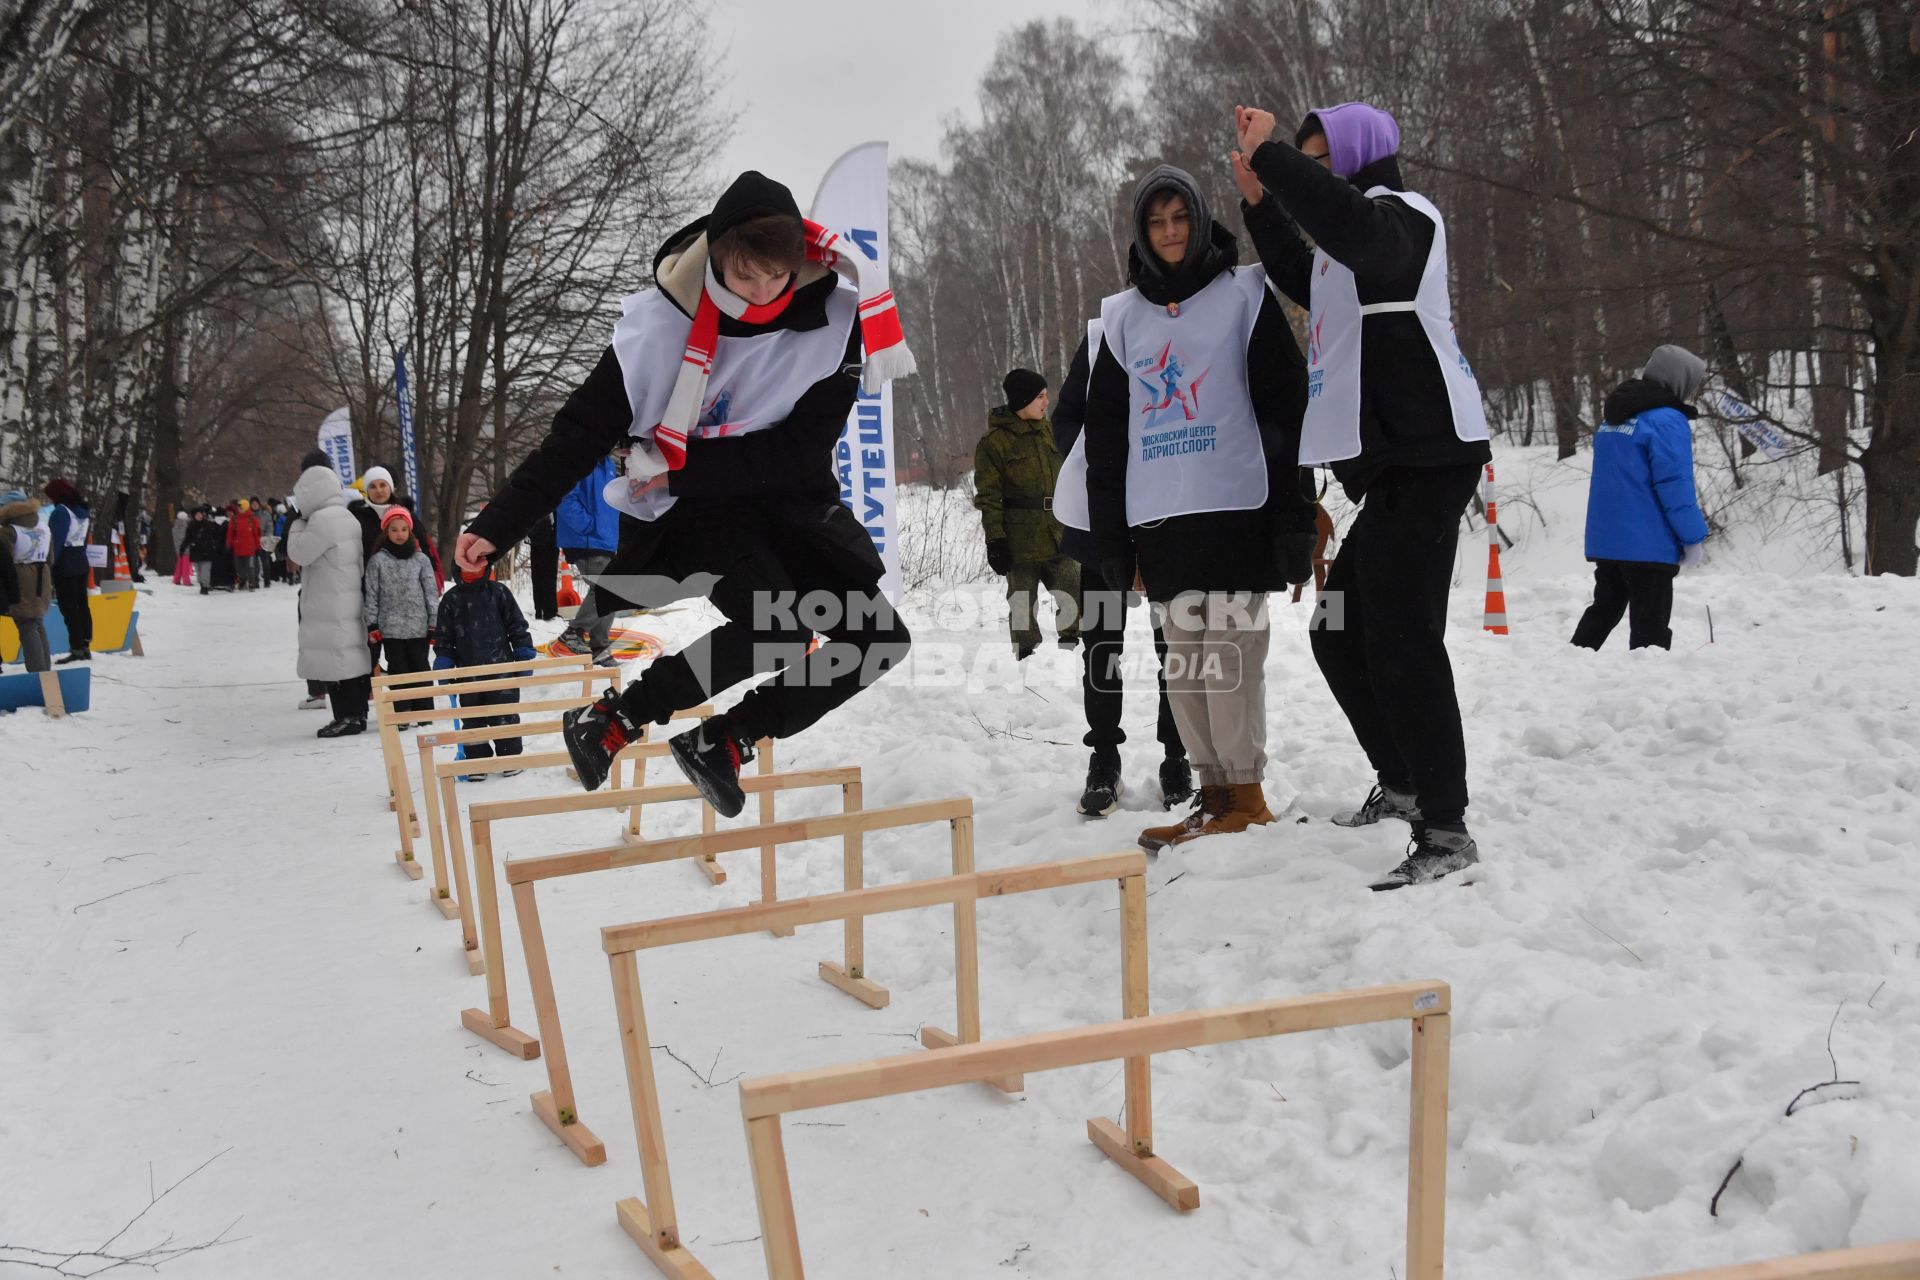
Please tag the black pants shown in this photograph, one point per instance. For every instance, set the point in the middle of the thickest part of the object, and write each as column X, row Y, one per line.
column 491, row 698
column 1103, row 627
column 403, row 658
column 1641, row 590
column 545, row 568
column 767, row 629
column 70, row 590
column 349, row 697
column 1386, row 662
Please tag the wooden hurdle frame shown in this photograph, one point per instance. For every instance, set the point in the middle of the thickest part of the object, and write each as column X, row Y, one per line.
column 1896, row 1261
column 385, row 695
column 494, row 1023
column 443, row 898
column 399, row 785
column 1426, row 1004
column 438, row 786
column 654, row 1224
column 639, row 753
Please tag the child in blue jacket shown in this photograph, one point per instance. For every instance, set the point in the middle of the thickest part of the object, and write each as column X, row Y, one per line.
column 478, row 623
column 1643, row 519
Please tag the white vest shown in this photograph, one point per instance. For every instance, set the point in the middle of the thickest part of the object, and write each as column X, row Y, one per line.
column 1070, row 488
column 32, row 546
column 1331, row 431
column 1193, row 442
column 77, row 531
column 754, row 384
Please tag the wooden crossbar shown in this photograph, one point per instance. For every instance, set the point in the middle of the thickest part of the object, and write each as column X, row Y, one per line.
column 1899, row 1260
column 880, row 900
column 791, row 831
column 494, row 1023
column 1426, row 1005
column 393, row 678
column 654, row 1223
column 586, row 677
column 384, row 686
column 557, row 1107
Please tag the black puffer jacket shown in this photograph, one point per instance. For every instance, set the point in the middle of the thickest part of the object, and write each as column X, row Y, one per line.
column 1405, row 416
column 478, row 623
column 1213, row 550
column 1069, row 413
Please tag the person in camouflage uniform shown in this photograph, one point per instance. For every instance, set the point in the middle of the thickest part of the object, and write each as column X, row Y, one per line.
column 1014, row 469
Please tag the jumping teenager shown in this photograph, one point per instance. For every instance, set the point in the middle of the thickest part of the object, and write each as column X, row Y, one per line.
column 733, row 377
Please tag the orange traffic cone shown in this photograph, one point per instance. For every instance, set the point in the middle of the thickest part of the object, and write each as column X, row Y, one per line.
column 568, row 596
column 1496, row 618
column 122, row 571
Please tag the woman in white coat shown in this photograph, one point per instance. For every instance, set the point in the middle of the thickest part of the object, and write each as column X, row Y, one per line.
column 325, row 543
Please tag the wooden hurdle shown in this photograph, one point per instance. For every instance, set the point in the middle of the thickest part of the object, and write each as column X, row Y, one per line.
column 399, row 786
column 494, row 1023
column 385, row 695
column 1426, row 1004
column 438, row 786
column 639, row 753
column 443, row 897
column 1896, row 1261
column 654, row 1224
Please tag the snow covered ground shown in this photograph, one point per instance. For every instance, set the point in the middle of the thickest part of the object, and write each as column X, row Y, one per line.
column 1699, row 898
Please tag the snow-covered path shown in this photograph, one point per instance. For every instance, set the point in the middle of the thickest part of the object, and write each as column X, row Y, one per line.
column 1693, row 860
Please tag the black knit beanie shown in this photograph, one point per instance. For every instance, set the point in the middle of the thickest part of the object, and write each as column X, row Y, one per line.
column 752, row 195
column 1021, row 386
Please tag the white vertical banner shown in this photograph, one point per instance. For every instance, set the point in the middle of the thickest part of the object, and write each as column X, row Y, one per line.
column 852, row 200
column 336, row 439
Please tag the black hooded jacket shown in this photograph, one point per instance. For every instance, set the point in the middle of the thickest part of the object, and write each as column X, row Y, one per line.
column 1211, row 550
column 1405, row 416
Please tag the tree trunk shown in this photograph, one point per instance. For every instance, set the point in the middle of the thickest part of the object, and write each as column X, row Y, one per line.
column 1891, row 464
column 167, row 493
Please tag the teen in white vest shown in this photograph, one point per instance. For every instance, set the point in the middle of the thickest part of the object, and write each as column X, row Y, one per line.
column 1394, row 409
column 1192, row 429
column 730, row 384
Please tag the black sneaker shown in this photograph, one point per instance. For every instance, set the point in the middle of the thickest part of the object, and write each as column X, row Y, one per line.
column 595, row 735
column 341, row 729
column 711, row 757
column 1102, row 795
column 1176, row 781
column 1382, row 802
column 78, row 655
column 1434, row 852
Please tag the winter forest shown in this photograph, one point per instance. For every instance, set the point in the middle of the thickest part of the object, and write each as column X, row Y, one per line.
column 219, row 219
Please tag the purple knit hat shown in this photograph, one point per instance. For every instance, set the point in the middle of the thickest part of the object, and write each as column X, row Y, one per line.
column 1357, row 135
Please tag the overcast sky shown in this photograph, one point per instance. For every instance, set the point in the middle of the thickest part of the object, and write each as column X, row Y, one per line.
column 806, row 90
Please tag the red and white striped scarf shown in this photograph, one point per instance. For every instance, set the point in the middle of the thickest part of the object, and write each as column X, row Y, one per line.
column 880, row 334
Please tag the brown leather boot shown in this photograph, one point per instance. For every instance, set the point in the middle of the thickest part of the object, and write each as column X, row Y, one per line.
column 1246, row 807
column 1212, row 802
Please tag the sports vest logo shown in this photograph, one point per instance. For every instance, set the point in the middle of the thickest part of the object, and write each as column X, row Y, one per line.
column 1169, row 392
column 713, row 418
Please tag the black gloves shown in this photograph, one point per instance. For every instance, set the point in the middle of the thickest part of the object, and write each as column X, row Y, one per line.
column 1296, row 556
column 999, row 556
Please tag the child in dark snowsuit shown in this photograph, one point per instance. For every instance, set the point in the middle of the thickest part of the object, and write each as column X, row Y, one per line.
column 479, row 622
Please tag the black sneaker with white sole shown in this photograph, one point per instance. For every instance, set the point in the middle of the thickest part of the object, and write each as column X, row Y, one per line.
column 595, row 735
column 711, row 757
column 1102, row 795
column 1382, row 802
column 1176, row 781
column 1434, row 853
